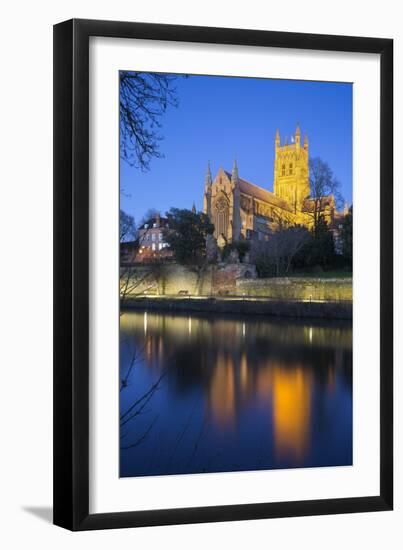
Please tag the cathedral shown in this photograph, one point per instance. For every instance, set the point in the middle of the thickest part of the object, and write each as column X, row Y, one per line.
column 240, row 209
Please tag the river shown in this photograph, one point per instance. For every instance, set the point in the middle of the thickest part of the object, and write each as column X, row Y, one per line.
column 215, row 393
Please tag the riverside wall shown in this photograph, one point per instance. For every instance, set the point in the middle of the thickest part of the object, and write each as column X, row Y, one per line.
column 229, row 280
column 296, row 288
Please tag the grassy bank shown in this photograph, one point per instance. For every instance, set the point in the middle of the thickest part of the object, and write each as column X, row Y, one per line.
column 322, row 275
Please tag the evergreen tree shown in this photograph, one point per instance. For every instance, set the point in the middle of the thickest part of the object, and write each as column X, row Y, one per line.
column 322, row 252
column 186, row 235
column 347, row 237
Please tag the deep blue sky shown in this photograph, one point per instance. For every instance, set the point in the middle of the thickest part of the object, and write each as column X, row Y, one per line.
column 219, row 118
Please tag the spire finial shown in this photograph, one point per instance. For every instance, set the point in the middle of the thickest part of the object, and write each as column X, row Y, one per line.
column 194, row 208
column 235, row 176
column 298, row 135
column 208, row 175
column 277, row 141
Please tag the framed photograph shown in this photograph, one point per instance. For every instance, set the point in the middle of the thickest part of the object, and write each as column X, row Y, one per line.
column 223, row 319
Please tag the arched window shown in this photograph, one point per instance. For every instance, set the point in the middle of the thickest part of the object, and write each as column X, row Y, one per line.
column 221, row 217
column 283, row 170
column 290, row 168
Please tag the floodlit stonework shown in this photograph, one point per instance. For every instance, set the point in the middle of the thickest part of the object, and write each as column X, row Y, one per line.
column 240, row 209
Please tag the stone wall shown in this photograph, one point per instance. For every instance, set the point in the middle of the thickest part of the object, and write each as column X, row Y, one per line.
column 229, row 279
column 162, row 279
column 295, row 288
column 226, row 276
column 175, row 279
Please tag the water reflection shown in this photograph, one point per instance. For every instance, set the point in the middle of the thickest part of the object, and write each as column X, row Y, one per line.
column 223, row 393
column 291, row 411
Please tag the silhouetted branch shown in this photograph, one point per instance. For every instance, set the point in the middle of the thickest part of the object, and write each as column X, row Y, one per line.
column 144, row 398
column 144, row 98
column 135, row 358
column 143, row 437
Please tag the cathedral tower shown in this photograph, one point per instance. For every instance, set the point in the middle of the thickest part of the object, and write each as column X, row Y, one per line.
column 291, row 172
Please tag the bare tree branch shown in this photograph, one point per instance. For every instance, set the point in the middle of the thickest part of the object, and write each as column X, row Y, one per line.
column 325, row 191
column 143, row 437
column 144, row 98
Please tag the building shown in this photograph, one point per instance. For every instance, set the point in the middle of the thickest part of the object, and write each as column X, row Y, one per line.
column 152, row 243
column 240, row 209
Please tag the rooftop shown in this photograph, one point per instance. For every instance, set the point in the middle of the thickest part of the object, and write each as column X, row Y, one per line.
column 259, row 193
column 161, row 222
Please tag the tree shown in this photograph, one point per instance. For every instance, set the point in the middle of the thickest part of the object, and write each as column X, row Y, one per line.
column 144, row 98
column 136, row 406
column 347, row 236
column 323, row 184
column 242, row 247
column 127, row 227
column 186, row 235
column 275, row 257
column 319, row 250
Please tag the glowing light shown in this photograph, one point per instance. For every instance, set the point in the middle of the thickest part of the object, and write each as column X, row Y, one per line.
column 222, row 393
column 145, row 322
column 243, row 329
column 310, row 334
column 190, row 325
column 244, row 372
column 291, row 411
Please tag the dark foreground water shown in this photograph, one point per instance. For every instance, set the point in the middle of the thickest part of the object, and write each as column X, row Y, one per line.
column 213, row 393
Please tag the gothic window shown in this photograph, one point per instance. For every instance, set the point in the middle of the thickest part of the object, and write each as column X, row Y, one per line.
column 221, row 217
column 283, row 170
column 221, row 204
column 290, row 168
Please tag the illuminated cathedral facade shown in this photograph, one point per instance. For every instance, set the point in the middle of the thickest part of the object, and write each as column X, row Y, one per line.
column 240, row 209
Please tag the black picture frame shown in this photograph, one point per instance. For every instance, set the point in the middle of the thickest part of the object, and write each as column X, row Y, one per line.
column 71, row 274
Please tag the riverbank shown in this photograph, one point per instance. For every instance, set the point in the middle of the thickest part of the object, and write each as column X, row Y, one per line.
column 257, row 306
column 231, row 280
